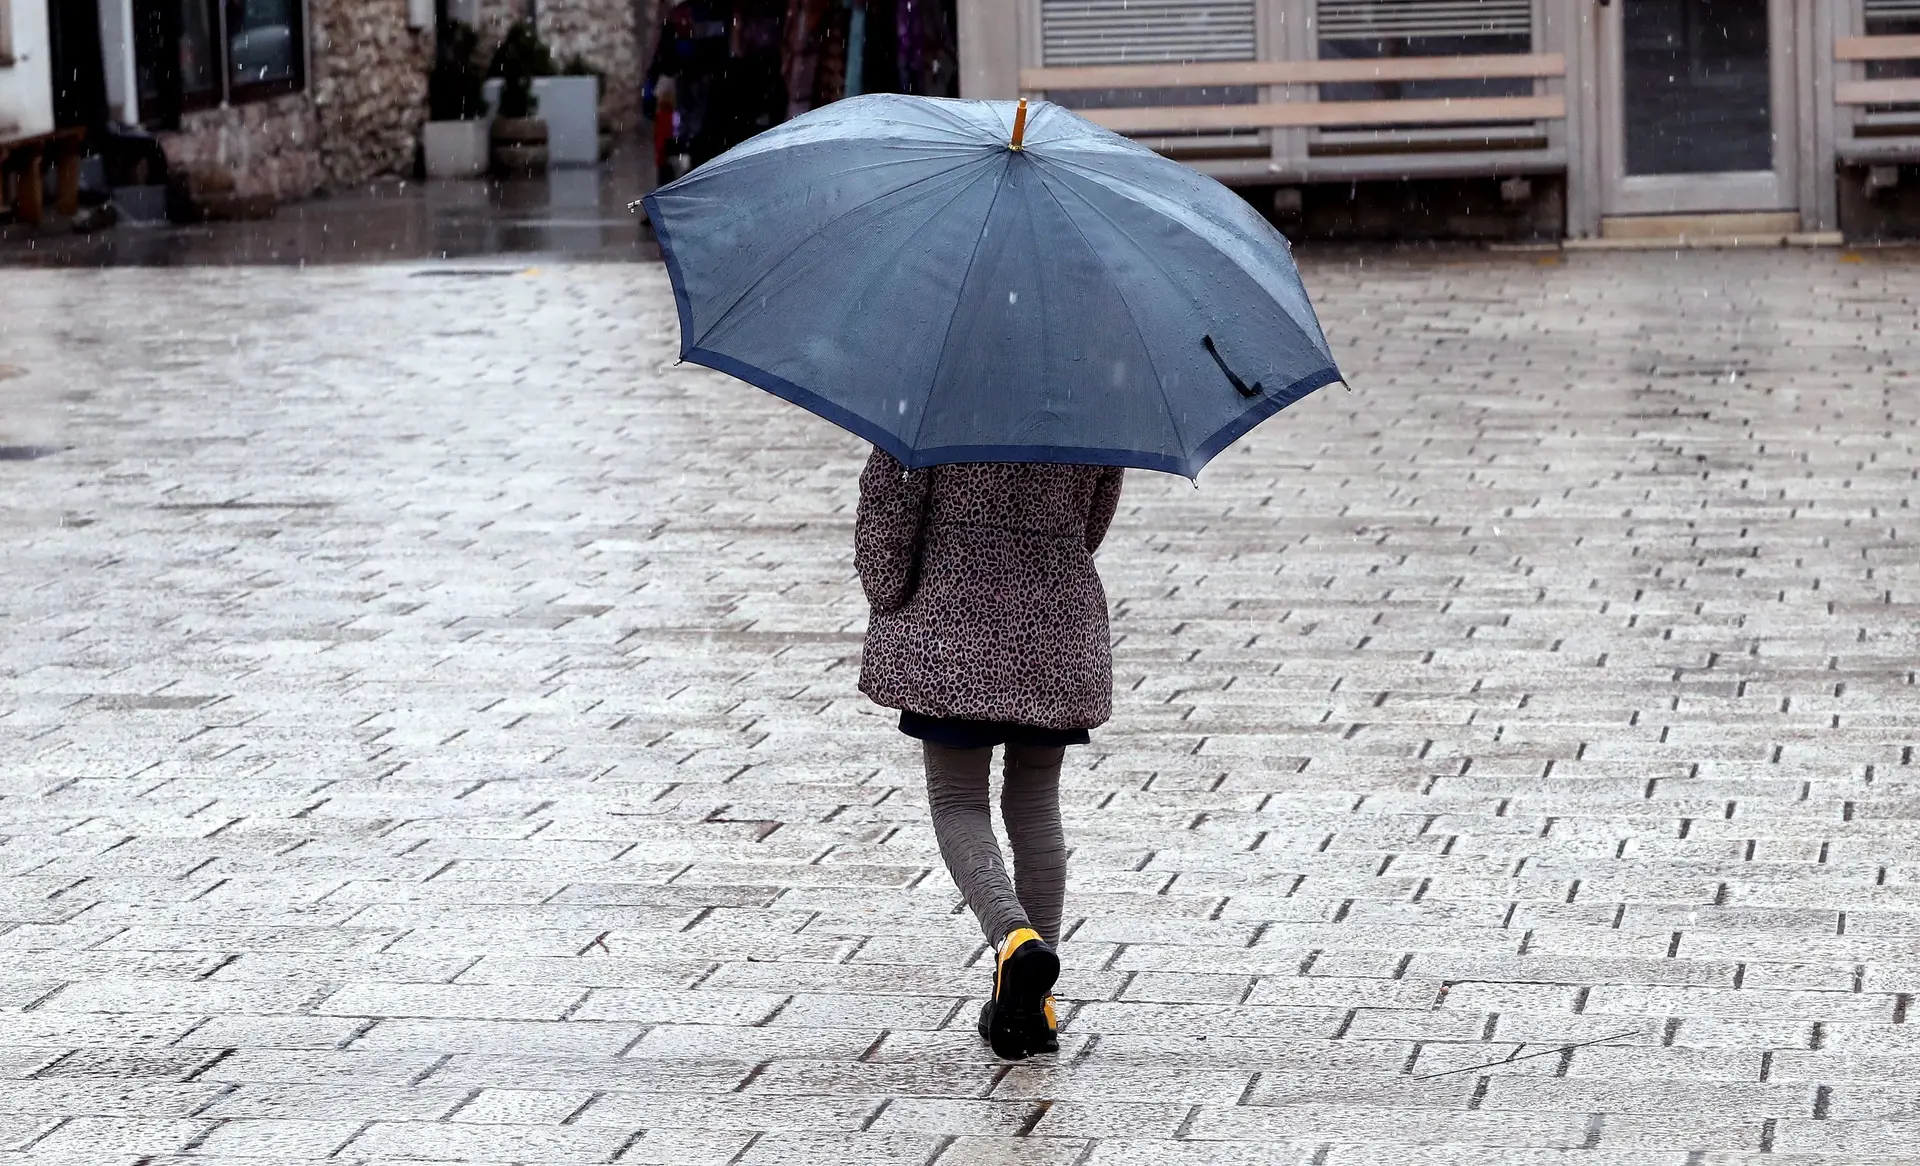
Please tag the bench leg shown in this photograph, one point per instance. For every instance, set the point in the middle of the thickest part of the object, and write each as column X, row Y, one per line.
column 28, row 203
column 67, row 201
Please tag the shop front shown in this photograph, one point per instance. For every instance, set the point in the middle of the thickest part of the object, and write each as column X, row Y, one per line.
column 1639, row 117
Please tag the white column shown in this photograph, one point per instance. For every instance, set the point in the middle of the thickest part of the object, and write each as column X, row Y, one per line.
column 1288, row 34
column 1586, row 175
column 1820, row 24
column 116, row 57
column 990, row 47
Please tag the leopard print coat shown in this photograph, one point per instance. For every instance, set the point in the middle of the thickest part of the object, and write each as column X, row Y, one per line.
column 986, row 604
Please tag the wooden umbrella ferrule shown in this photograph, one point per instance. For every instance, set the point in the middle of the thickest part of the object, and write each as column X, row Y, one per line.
column 1019, row 125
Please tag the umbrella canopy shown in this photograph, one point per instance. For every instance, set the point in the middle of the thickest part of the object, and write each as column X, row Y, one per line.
column 898, row 266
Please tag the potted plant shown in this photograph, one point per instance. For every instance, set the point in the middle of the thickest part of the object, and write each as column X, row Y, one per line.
column 570, row 105
column 519, row 135
column 454, row 140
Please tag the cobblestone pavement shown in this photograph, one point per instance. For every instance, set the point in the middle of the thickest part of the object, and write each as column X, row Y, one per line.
column 429, row 734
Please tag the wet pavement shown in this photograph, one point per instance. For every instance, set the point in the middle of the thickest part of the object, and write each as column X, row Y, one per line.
column 574, row 213
column 428, row 734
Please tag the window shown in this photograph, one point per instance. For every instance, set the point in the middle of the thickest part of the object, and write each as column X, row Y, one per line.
column 173, row 54
column 194, row 54
column 1370, row 29
column 263, row 47
column 1888, row 18
column 1133, row 32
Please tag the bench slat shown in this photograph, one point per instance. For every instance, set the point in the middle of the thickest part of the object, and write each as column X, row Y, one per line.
column 1172, row 118
column 1877, row 92
column 1296, row 72
column 1866, row 151
column 1876, row 48
column 10, row 137
column 1391, row 168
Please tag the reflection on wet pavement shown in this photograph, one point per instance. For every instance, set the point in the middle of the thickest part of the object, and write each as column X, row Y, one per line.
column 576, row 213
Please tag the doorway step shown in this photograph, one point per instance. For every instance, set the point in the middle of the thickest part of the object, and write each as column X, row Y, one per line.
column 1668, row 232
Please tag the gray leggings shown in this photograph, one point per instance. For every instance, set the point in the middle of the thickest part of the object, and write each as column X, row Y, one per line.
column 1030, row 807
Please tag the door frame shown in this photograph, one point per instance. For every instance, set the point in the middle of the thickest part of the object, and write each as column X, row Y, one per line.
column 1657, row 194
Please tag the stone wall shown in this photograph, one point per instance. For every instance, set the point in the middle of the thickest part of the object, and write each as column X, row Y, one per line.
column 270, row 147
column 496, row 15
column 369, row 87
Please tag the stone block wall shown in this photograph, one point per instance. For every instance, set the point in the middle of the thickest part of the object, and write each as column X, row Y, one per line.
column 369, row 87
column 270, row 147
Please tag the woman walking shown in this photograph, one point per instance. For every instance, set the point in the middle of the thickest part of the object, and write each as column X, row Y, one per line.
column 1016, row 298
column 989, row 628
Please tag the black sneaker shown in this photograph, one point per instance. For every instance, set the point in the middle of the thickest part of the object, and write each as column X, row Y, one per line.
column 1018, row 1021
column 1046, row 1034
column 1042, row 1037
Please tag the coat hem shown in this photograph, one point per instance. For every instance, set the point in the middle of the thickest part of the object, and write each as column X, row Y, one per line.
column 983, row 713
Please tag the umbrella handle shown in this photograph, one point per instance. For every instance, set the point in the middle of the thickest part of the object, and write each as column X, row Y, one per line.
column 1239, row 384
column 1019, row 125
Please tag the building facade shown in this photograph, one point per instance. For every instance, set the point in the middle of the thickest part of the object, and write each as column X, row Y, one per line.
column 283, row 97
column 1801, row 115
column 278, row 99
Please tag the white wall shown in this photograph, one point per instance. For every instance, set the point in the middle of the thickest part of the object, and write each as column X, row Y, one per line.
column 26, row 88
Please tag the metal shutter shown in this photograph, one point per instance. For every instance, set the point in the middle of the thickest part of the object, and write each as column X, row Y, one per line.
column 1120, row 32
column 1893, row 9
column 1354, row 19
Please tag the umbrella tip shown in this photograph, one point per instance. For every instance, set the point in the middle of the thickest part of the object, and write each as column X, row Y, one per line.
column 1019, row 125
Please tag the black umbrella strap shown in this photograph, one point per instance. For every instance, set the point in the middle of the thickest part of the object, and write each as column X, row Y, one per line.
column 1232, row 377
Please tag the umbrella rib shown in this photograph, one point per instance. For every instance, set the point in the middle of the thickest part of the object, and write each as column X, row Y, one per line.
column 1101, row 179
column 959, row 294
column 1121, row 295
column 808, row 237
column 938, row 106
column 1106, row 178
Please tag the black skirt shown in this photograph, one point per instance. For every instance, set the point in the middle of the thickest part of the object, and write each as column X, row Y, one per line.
column 958, row 734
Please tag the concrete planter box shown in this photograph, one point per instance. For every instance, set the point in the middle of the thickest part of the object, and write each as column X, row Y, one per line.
column 571, row 108
column 455, row 149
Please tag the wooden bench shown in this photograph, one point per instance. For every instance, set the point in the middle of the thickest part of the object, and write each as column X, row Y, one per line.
column 1897, row 138
column 1402, row 137
column 21, row 160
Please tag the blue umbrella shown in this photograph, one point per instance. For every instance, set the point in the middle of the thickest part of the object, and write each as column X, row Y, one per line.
column 971, row 281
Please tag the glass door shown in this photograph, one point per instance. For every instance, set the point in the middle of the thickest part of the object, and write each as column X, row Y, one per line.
column 1697, row 105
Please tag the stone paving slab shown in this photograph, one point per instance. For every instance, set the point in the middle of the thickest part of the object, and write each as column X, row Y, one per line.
column 428, row 734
